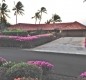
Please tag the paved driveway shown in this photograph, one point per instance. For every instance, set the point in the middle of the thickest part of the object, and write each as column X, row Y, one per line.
column 71, row 45
column 66, row 64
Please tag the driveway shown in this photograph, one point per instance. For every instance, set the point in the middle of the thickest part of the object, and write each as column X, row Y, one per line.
column 70, row 45
column 65, row 64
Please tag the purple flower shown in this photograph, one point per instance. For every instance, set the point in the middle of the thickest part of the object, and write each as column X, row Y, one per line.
column 83, row 74
column 20, row 38
column 46, row 66
column 42, row 64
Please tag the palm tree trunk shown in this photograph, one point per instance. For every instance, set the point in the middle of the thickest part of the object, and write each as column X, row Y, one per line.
column 39, row 22
column 35, row 20
column 40, row 18
column 16, row 17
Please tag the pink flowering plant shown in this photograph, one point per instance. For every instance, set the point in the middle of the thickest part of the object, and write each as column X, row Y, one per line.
column 2, row 61
column 46, row 66
column 83, row 74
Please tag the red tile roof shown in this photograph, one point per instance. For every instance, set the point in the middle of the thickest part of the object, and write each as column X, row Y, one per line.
column 61, row 26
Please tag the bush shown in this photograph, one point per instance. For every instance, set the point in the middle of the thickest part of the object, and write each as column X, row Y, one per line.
column 2, row 61
column 8, row 64
column 46, row 66
column 23, row 70
column 2, row 72
column 15, row 33
column 25, row 42
column 4, row 68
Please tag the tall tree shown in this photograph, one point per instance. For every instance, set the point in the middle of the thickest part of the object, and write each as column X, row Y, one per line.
column 18, row 9
column 37, row 17
column 56, row 18
column 3, row 0
column 42, row 10
column 84, row 0
column 3, row 12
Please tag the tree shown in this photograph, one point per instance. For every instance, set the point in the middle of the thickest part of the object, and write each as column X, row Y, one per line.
column 56, row 18
column 48, row 21
column 18, row 9
column 42, row 10
column 37, row 16
column 3, row 0
column 84, row 0
column 3, row 12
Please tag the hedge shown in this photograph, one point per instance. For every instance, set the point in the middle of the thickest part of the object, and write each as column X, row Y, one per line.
column 25, row 42
column 15, row 33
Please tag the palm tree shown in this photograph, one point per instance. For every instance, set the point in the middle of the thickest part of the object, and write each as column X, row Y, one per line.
column 18, row 9
column 3, row 0
column 48, row 21
column 42, row 10
column 37, row 16
column 56, row 18
column 3, row 12
column 84, row 0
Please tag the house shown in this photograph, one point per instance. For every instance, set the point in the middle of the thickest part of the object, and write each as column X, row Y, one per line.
column 65, row 29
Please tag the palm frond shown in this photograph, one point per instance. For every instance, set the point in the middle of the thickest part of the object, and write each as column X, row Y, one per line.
column 3, row 0
column 7, row 15
column 4, row 6
column 14, row 8
column 84, row 0
column 32, row 17
column 18, row 8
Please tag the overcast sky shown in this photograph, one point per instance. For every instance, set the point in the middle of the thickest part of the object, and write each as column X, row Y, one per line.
column 68, row 10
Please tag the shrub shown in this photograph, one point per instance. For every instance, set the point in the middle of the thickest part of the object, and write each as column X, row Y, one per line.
column 46, row 66
column 8, row 64
column 15, row 33
column 2, row 72
column 23, row 70
column 4, row 68
column 82, row 76
column 2, row 61
column 25, row 42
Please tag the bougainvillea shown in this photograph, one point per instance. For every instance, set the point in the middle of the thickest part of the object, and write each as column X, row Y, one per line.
column 83, row 74
column 46, row 66
column 20, row 38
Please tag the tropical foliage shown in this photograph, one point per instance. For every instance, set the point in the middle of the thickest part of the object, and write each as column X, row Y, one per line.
column 46, row 66
column 37, row 17
column 23, row 70
column 41, row 11
column 56, row 18
column 25, row 42
column 18, row 9
column 30, row 70
column 4, row 10
column 2, row 61
column 38, row 14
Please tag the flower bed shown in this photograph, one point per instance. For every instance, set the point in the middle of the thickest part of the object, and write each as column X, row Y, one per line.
column 31, row 70
column 46, row 66
column 26, row 42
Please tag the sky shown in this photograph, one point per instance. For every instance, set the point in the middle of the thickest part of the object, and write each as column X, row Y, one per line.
column 68, row 10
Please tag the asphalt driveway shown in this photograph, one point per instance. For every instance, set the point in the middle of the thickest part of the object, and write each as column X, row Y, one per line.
column 66, row 64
